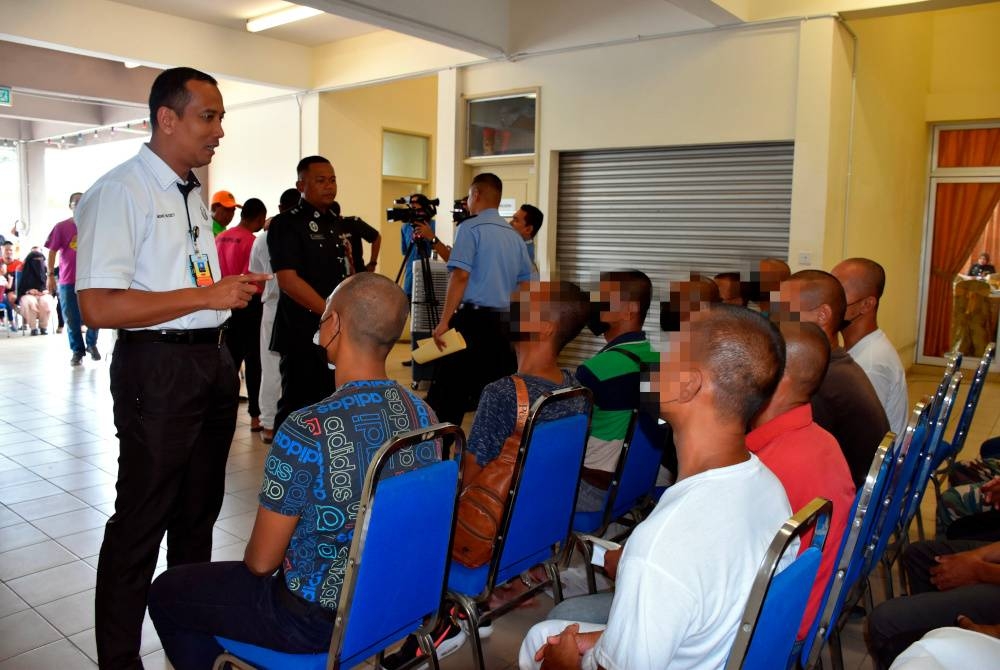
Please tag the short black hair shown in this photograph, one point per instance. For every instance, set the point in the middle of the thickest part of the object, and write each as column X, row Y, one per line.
column 636, row 285
column 170, row 90
column 876, row 273
column 488, row 181
column 304, row 164
column 819, row 287
column 76, row 195
column 253, row 208
column 745, row 355
column 533, row 217
column 289, row 198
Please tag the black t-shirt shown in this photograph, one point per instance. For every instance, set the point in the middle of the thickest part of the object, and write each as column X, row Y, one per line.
column 358, row 230
column 847, row 406
column 307, row 241
column 978, row 270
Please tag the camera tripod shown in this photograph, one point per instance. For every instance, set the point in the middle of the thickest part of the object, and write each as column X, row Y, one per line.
column 429, row 299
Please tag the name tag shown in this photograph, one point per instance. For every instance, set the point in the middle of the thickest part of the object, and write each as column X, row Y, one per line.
column 201, row 270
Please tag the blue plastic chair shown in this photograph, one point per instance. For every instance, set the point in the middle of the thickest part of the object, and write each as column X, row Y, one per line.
column 397, row 567
column 774, row 609
column 851, row 556
column 907, row 457
column 930, row 457
column 950, row 450
column 632, row 486
column 536, row 520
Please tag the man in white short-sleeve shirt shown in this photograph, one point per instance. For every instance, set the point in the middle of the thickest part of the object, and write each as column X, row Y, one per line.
column 864, row 282
column 147, row 265
column 686, row 571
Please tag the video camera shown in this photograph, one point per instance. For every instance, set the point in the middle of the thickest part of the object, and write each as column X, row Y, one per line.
column 408, row 213
column 460, row 211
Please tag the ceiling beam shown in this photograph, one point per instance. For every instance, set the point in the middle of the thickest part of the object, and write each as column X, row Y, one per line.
column 720, row 13
column 480, row 27
column 118, row 31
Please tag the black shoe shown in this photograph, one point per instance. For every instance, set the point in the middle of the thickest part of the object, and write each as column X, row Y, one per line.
column 447, row 638
column 94, row 353
column 44, row 331
column 76, row 360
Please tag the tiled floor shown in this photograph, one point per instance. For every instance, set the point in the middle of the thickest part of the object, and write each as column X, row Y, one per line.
column 57, row 472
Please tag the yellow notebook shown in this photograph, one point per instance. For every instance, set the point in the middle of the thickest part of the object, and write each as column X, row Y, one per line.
column 427, row 350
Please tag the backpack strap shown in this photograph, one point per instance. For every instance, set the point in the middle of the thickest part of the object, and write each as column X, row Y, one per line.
column 522, row 405
column 628, row 354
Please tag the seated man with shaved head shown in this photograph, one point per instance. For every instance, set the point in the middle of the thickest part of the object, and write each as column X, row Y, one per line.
column 687, row 569
column 864, row 281
column 313, row 477
column 806, row 458
column 846, row 403
column 765, row 282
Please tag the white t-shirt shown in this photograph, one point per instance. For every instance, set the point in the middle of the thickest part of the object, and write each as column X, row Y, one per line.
column 134, row 232
column 687, row 570
column 946, row 648
column 260, row 261
column 878, row 358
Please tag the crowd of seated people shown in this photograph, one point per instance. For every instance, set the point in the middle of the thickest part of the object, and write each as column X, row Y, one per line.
column 766, row 410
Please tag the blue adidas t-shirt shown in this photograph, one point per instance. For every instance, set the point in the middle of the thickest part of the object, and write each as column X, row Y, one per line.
column 316, row 469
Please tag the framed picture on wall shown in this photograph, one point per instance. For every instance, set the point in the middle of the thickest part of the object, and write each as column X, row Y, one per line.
column 501, row 125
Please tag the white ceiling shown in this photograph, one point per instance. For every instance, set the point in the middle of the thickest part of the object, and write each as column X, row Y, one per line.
column 233, row 14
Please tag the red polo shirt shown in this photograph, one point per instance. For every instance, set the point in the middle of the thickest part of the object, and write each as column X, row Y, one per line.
column 810, row 464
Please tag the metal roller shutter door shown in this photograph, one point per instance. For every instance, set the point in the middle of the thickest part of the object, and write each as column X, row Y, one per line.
column 669, row 211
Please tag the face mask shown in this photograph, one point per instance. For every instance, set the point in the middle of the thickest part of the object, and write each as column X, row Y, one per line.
column 670, row 320
column 594, row 323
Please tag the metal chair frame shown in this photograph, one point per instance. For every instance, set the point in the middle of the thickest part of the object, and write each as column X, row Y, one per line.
column 468, row 602
column 849, row 560
column 630, row 517
column 815, row 514
column 358, row 545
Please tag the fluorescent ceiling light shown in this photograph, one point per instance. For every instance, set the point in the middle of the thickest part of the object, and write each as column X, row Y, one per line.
column 281, row 17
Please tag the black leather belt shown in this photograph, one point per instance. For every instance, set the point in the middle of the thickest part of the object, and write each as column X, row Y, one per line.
column 481, row 308
column 216, row 336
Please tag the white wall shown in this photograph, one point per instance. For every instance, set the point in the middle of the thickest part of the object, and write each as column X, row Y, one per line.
column 257, row 157
column 725, row 86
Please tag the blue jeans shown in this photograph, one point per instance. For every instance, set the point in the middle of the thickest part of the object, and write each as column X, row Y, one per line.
column 71, row 313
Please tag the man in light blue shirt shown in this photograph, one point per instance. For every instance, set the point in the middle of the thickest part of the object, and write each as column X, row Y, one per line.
column 486, row 265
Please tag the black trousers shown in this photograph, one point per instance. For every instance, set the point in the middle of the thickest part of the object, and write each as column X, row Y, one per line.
column 175, row 411
column 305, row 380
column 896, row 624
column 459, row 378
column 243, row 340
column 192, row 604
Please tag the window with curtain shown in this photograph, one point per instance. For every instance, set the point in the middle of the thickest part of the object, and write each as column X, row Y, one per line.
column 962, row 312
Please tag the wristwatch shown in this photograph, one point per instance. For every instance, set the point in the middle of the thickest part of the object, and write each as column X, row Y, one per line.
column 435, row 241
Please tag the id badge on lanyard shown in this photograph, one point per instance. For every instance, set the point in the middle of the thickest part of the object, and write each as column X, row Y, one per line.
column 201, row 270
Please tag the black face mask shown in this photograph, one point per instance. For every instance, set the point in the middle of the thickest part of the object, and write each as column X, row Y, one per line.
column 670, row 319
column 594, row 323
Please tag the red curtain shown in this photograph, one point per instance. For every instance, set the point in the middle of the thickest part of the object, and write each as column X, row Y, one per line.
column 977, row 147
column 961, row 212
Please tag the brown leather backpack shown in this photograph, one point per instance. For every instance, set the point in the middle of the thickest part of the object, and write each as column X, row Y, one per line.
column 481, row 505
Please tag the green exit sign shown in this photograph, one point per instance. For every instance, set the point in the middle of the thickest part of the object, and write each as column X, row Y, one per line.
column 5, row 100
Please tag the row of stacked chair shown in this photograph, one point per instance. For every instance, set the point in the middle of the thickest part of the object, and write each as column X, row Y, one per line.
column 889, row 502
column 399, row 566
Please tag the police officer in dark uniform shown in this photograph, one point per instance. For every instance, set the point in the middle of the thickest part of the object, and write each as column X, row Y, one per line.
column 310, row 255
